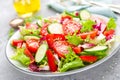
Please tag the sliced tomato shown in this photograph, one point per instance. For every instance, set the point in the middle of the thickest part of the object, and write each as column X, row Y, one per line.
column 29, row 54
column 51, row 61
column 44, row 31
column 71, row 27
column 88, row 58
column 92, row 34
column 65, row 18
column 17, row 43
column 61, row 48
column 53, row 37
column 77, row 50
column 31, row 26
column 109, row 32
column 32, row 45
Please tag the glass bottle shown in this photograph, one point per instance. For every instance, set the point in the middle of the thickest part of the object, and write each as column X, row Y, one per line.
column 23, row 7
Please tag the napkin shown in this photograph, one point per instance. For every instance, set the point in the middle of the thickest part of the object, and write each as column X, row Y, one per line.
column 71, row 6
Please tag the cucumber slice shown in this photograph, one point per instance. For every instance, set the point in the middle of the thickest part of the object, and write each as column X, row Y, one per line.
column 84, row 15
column 55, row 28
column 31, row 37
column 96, row 49
column 41, row 52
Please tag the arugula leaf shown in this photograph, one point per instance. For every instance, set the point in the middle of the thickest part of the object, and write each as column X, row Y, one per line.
column 87, row 26
column 11, row 32
column 21, row 57
column 74, row 39
column 111, row 24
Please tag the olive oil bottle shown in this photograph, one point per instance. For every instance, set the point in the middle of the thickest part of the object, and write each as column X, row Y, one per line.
column 26, row 6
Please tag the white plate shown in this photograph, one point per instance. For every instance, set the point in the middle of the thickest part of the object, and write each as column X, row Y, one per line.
column 17, row 65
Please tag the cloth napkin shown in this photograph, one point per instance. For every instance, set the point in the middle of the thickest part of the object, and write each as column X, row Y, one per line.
column 71, row 6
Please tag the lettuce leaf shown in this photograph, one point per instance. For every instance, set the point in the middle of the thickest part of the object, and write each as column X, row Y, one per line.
column 87, row 26
column 74, row 39
column 25, row 31
column 21, row 57
column 71, row 61
column 111, row 24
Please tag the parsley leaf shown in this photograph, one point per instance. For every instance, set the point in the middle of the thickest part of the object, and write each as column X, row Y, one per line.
column 74, row 39
column 111, row 24
column 87, row 26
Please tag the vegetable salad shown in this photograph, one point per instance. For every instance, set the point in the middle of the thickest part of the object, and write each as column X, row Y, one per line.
column 63, row 42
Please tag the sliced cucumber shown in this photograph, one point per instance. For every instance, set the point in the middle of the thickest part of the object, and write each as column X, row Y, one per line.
column 84, row 15
column 55, row 28
column 41, row 52
column 31, row 37
column 39, row 23
column 97, row 49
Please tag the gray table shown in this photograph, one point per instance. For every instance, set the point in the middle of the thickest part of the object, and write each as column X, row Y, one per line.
column 109, row 70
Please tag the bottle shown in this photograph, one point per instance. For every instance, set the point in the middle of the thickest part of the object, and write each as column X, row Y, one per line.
column 24, row 7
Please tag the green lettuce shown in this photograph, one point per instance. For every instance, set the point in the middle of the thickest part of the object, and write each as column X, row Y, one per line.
column 111, row 24
column 21, row 57
column 87, row 26
column 25, row 31
column 71, row 61
column 74, row 39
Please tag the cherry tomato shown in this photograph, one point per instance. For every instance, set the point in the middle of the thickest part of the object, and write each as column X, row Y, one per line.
column 32, row 45
column 71, row 27
column 61, row 48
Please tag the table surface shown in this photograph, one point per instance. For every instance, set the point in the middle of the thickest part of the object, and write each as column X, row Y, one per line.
column 109, row 70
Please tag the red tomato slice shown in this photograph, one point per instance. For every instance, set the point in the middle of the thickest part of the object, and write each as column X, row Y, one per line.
column 51, row 61
column 88, row 58
column 29, row 54
column 109, row 32
column 17, row 43
column 61, row 48
column 92, row 34
column 66, row 18
column 44, row 31
column 71, row 27
column 53, row 37
column 77, row 50
column 32, row 45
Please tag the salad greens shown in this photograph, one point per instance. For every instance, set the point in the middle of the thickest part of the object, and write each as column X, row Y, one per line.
column 111, row 24
column 21, row 57
column 25, row 31
column 74, row 39
column 71, row 61
column 87, row 26
column 69, row 45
